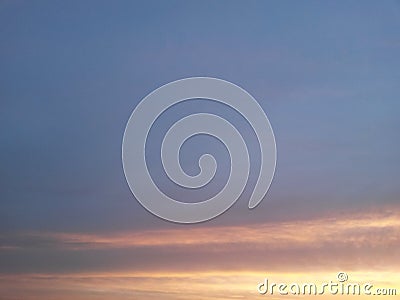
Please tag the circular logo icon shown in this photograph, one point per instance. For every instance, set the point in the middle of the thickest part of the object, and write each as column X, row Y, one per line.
column 342, row 276
column 152, row 106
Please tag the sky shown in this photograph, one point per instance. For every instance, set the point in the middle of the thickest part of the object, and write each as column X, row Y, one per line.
column 326, row 74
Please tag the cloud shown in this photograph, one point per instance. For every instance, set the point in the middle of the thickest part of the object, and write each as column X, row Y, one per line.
column 351, row 241
column 171, row 286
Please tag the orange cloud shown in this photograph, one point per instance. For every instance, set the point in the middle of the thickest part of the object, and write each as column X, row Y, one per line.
column 201, row 262
column 175, row 286
column 355, row 229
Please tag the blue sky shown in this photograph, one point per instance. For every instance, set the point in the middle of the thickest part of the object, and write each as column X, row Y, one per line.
column 71, row 73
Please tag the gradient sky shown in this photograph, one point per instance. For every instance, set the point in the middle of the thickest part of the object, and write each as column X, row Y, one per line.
column 326, row 73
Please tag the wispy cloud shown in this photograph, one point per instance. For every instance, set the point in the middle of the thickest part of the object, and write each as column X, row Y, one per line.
column 172, row 286
column 200, row 262
column 349, row 240
column 358, row 229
